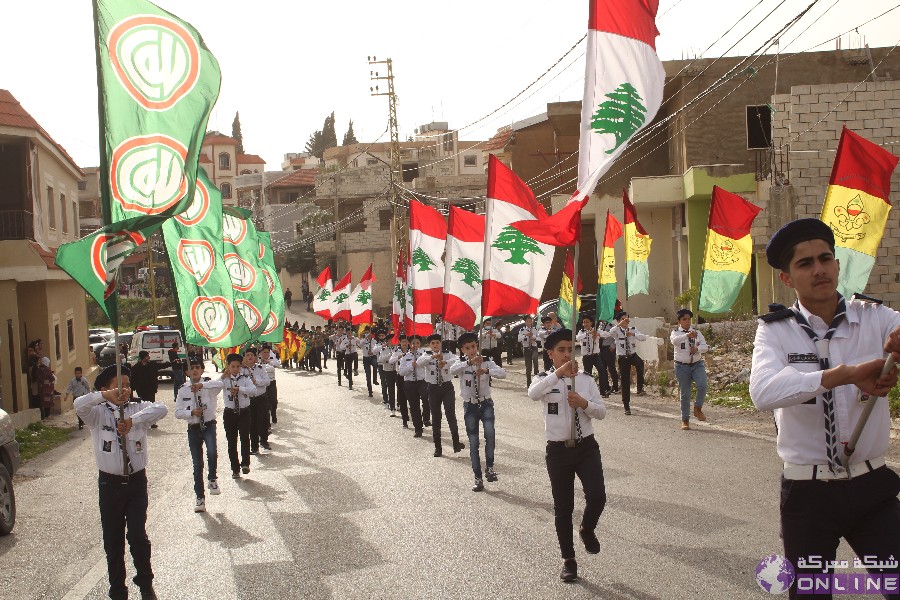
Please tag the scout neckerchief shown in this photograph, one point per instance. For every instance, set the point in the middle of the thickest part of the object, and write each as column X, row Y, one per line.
column 831, row 438
column 115, row 411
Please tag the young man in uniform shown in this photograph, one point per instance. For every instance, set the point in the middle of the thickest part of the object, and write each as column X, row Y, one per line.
column 388, row 373
column 369, row 347
column 689, row 368
column 490, row 341
column 625, row 336
column 816, row 364
column 78, row 387
column 196, row 404
column 122, row 481
column 337, row 341
column 607, row 361
column 590, row 345
column 236, row 415
column 259, row 403
column 269, row 362
column 350, row 344
column 475, row 373
column 440, row 391
column 177, row 366
column 544, row 331
column 531, row 347
column 394, row 361
column 571, row 400
column 414, row 383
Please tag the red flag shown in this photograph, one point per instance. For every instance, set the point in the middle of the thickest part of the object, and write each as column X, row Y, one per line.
column 340, row 309
column 569, row 270
column 324, row 276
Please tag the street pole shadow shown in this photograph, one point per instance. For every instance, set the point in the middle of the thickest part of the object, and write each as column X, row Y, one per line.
column 614, row 591
column 223, row 531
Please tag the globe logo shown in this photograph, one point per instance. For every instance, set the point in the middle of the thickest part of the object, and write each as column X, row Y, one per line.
column 775, row 574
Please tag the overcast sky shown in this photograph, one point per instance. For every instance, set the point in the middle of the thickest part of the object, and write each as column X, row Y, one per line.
column 287, row 64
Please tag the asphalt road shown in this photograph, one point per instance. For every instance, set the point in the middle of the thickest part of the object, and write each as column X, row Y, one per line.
column 350, row 505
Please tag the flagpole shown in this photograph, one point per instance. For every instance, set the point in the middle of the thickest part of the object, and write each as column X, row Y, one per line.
column 122, row 443
column 572, row 432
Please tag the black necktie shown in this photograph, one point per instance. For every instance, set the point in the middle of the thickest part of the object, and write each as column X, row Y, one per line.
column 831, row 437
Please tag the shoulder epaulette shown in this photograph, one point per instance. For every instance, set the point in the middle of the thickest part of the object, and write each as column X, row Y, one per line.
column 207, row 379
column 778, row 315
column 866, row 299
column 544, row 374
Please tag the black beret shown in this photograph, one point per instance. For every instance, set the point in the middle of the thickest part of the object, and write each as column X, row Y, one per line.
column 143, row 354
column 620, row 314
column 556, row 337
column 434, row 337
column 107, row 375
column 467, row 338
column 791, row 234
column 684, row 311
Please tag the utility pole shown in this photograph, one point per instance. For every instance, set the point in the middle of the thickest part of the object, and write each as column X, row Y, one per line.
column 398, row 232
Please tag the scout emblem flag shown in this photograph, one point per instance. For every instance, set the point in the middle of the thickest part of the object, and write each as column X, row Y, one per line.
column 567, row 294
column 361, row 300
column 427, row 238
column 340, row 299
column 275, row 319
column 726, row 260
column 322, row 300
column 856, row 207
column 157, row 85
column 251, row 287
column 462, row 278
column 606, row 289
column 637, row 251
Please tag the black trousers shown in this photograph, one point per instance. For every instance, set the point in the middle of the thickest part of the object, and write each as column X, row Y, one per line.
column 340, row 365
column 588, row 362
column 607, row 366
column 625, row 364
column 438, row 396
column 272, row 395
column 547, row 362
column 449, row 346
column 370, row 367
column 416, row 394
column 350, row 360
column 389, row 387
column 259, row 421
column 237, row 426
column 865, row 511
column 495, row 354
column 531, row 363
column 123, row 504
column 402, row 402
column 563, row 464
column 315, row 358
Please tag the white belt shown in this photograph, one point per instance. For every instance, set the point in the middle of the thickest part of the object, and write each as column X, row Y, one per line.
column 822, row 472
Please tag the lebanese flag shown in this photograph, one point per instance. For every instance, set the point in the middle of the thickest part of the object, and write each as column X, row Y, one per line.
column 427, row 238
column 340, row 305
column 464, row 260
column 398, row 306
column 361, row 300
column 322, row 300
column 415, row 323
column 623, row 82
column 516, row 265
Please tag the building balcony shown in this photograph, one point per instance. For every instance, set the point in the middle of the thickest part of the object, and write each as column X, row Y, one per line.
column 16, row 225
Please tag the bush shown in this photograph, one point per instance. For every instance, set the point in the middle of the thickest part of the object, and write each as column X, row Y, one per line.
column 132, row 312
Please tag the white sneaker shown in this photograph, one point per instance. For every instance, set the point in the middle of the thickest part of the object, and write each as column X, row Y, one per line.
column 200, row 506
column 214, row 487
column 264, row 451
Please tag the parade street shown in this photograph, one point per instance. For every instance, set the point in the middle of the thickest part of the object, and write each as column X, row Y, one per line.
column 350, row 505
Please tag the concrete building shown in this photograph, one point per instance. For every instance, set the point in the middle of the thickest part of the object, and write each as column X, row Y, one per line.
column 89, row 211
column 38, row 212
column 222, row 162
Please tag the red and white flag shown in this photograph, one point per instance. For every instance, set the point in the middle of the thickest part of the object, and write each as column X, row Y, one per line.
column 464, row 261
column 322, row 300
column 515, row 264
column 415, row 323
column 623, row 82
column 340, row 299
column 398, row 306
column 427, row 238
column 361, row 300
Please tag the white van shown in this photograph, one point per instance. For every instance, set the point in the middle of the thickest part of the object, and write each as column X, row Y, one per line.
column 157, row 341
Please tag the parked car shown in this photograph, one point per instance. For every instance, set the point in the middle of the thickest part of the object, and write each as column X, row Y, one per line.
column 9, row 464
column 101, row 331
column 97, row 341
column 157, row 341
column 107, row 355
column 588, row 309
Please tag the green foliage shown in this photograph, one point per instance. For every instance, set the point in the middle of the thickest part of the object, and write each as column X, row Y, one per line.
column 350, row 136
column 894, row 402
column 236, row 132
column 733, row 395
column 132, row 312
column 517, row 244
column 322, row 139
column 37, row 438
column 663, row 382
column 621, row 115
column 687, row 297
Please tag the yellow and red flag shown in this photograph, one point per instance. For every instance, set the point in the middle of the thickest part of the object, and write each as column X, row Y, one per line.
column 856, row 207
column 637, row 251
column 606, row 290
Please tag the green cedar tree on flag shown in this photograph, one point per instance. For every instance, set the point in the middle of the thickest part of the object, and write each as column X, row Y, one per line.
column 462, row 278
column 361, row 300
column 322, row 300
column 606, row 289
column 427, row 238
column 274, row 329
column 398, row 304
column 203, row 289
column 637, row 251
column 340, row 299
column 567, row 294
column 729, row 248
column 157, row 84
column 251, row 289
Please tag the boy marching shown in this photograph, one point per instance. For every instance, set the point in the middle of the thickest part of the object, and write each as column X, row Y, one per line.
column 236, row 415
column 196, row 404
column 689, row 368
column 259, row 403
column 414, row 384
column 440, row 391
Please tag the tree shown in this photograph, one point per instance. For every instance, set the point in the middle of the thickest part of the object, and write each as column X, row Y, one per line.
column 236, row 132
column 517, row 244
column 349, row 137
column 422, row 260
column 468, row 268
column 322, row 139
column 363, row 297
column 621, row 115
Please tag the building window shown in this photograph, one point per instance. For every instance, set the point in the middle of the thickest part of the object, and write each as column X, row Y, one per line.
column 448, row 142
column 224, row 161
column 51, row 208
column 63, row 213
column 759, row 127
column 371, row 161
column 384, row 218
column 56, row 340
column 70, row 331
column 245, row 172
column 82, row 186
column 470, row 160
column 76, row 223
column 226, row 190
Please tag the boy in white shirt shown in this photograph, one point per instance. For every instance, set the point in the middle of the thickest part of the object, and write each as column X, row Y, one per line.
column 440, row 391
column 236, row 415
column 689, row 368
column 196, row 403
column 414, row 384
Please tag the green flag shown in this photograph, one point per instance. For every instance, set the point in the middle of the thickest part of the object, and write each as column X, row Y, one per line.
column 202, row 285
column 242, row 260
column 157, row 84
column 274, row 330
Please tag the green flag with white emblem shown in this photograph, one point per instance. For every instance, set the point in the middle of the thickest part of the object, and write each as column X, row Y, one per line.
column 274, row 330
column 242, row 260
column 202, row 285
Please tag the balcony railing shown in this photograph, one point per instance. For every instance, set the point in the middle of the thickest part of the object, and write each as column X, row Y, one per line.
column 16, row 225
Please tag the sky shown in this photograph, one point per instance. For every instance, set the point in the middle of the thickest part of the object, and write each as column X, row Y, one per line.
column 286, row 64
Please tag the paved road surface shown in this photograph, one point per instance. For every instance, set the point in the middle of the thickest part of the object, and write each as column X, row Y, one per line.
column 350, row 505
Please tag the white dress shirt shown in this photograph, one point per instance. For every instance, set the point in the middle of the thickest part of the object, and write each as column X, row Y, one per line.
column 245, row 386
column 101, row 417
column 385, row 352
column 350, row 344
column 558, row 417
column 208, row 398
column 590, row 341
column 408, row 367
column 258, row 376
column 786, row 374
column 472, row 389
column 450, row 331
column 489, row 338
column 529, row 337
column 270, row 366
column 429, row 361
column 624, row 342
column 369, row 346
column 683, row 345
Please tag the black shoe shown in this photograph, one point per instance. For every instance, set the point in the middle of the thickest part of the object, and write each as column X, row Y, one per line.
column 148, row 593
column 374, row 383
column 438, row 452
column 457, row 446
column 351, row 388
column 479, row 486
column 527, row 383
column 427, row 424
column 274, row 420
column 490, row 474
column 254, row 451
column 591, row 543
column 615, row 390
column 569, row 571
column 604, row 394
column 405, row 425
column 628, row 411
column 639, row 393
column 267, row 447
column 418, row 433
column 80, row 426
column 370, row 394
column 245, row 470
column 154, row 426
